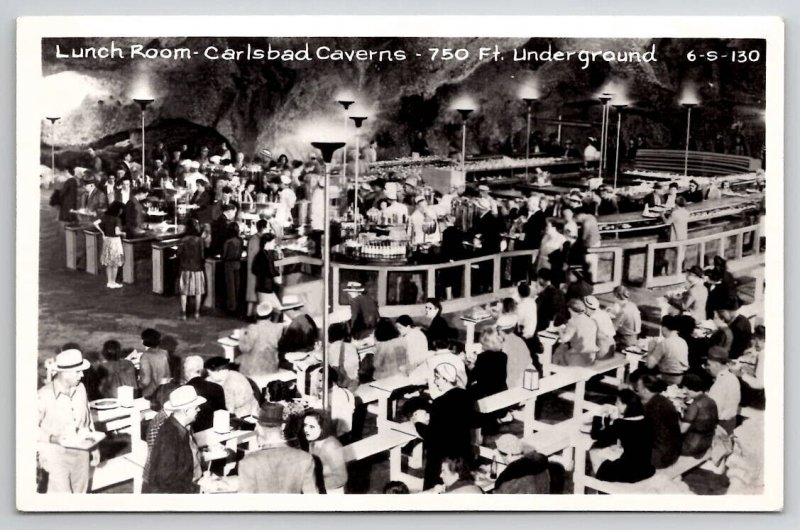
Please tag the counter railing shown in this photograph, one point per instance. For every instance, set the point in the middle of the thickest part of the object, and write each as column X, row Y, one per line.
column 667, row 261
column 403, row 289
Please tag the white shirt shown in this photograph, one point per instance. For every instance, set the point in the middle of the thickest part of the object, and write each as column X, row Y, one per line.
column 591, row 153
column 416, row 347
column 526, row 316
column 727, row 394
column 604, row 323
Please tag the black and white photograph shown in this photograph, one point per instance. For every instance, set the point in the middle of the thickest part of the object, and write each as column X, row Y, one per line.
column 524, row 258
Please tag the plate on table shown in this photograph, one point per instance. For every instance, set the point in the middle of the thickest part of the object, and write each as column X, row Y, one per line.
column 104, row 404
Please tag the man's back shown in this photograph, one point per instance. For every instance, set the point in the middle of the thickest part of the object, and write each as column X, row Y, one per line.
column 278, row 469
column 215, row 400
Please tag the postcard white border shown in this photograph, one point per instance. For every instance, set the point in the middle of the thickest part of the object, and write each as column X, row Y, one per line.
column 30, row 31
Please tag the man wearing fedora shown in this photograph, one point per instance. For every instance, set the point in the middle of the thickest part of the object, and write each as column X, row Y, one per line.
column 275, row 467
column 364, row 312
column 63, row 419
column 174, row 460
column 94, row 199
column 259, row 343
column 726, row 391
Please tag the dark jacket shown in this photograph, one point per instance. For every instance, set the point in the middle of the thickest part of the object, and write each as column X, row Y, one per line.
column 219, row 231
column 204, row 206
column 650, row 199
column 265, row 271
column 171, row 462
column 550, row 305
column 528, row 475
column 449, row 431
column 134, row 217
column 488, row 376
column 666, row 430
column 190, row 253
column 215, row 400
column 637, row 438
column 364, row 316
column 534, row 230
column 489, row 228
column 742, row 335
column 439, row 329
column 68, row 200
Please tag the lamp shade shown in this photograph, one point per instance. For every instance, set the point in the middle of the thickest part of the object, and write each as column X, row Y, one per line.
column 465, row 112
column 345, row 103
column 358, row 120
column 327, row 149
column 53, row 119
column 143, row 103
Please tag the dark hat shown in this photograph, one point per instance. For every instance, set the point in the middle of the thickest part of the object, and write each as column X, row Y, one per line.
column 697, row 271
column 270, row 414
column 693, row 382
column 216, row 363
column 717, row 353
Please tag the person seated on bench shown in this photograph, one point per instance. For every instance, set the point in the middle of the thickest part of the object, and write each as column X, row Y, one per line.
column 605, row 327
column 726, row 391
column 699, row 419
column 424, row 373
column 628, row 319
column 694, row 193
column 750, row 370
column 519, row 356
column 457, row 476
column 240, row 399
column 445, row 425
column 635, row 435
column 487, row 375
column 438, row 327
column 578, row 339
column 525, row 473
column 660, row 412
column 670, row 357
column 326, row 449
column 390, row 356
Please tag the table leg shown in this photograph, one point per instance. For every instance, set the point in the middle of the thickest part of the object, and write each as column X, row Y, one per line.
column 470, row 336
column 71, row 239
column 383, row 409
column 579, row 473
column 529, row 417
column 395, row 463
column 129, row 266
column 580, row 394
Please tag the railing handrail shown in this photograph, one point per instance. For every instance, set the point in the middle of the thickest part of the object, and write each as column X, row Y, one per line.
column 436, row 266
column 702, row 239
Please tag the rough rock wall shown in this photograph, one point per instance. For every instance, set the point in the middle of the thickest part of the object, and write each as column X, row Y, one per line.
column 254, row 104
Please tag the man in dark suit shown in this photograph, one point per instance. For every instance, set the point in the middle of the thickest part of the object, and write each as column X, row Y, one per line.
column 364, row 314
column 534, row 225
column 212, row 392
column 94, row 199
column 220, row 228
column 202, row 199
column 68, row 200
column 276, row 467
column 740, row 328
column 487, row 228
column 127, row 165
column 134, row 213
column 550, row 303
column 655, row 197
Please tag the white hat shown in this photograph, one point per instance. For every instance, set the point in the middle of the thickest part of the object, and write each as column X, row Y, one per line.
column 264, row 309
column 183, row 397
column 186, row 163
column 509, row 444
column 591, row 302
column 195, row 164
column 71, row 360
column 353, row 287
column 286, row 179
column 216, row 159
column 229, row 169
column 483, row 204
column 483, row 187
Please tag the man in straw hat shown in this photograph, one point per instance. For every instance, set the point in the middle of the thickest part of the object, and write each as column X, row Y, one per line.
column 174, row 460
column 364, row 312
column 275, row 467
column 64, row 419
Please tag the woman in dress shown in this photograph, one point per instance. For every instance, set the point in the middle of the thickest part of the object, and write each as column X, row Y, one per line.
column 268, row 278
column 112, row 257
column 191, row 262
column 327, row 450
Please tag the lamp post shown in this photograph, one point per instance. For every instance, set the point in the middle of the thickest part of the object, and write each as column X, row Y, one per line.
column 605, row 97
column 345, row 102
column 358, row 121
column 464, row 115
column 619, row 107
column 53, row 120
column 327, row 149
column 143, row 103
column 529, row 102
column 689, row 106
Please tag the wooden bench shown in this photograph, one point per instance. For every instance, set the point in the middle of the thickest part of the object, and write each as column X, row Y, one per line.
column 393, row 440
column 671, row 473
